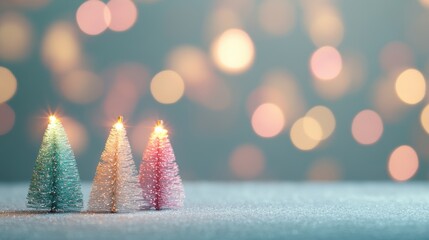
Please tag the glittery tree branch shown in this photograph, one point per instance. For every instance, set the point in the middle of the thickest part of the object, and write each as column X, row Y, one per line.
column 159, row 173
column 115, row 187
column 55, row 183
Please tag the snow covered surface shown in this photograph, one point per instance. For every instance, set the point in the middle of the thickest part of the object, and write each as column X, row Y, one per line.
column 218, row 210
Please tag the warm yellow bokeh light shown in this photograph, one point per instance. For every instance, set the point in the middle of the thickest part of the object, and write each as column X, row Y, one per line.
column 15, row 36
column 312, row 128
column 424, row 118
column 233, row 51
column 323, row 22
column 191, row 63
column 61, row 49
column 299, row 136
column 326, row 120
column 167, row 87
column 410, row 86
column 8, row 84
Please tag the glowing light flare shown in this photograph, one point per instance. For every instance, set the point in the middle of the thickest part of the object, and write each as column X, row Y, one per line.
column 15, row 36
column 299, row 137
column 276, row 17
column 233, row 51
column 7, row 119
column 167, row 87
column 410, row 86
column 403, row 163
column 93, row 17
column 326, row 120
column 424, row 118
column 52, row 119
column 159, row 128
column 119, row 125
column 8, row 84
column 268, row 120
column 326, row 63
column 367, row 127
column 247, row 162
column 123, row 14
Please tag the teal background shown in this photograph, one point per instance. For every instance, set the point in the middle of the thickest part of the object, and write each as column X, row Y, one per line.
column 204, row 155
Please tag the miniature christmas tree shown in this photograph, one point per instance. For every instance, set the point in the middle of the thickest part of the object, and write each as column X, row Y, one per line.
column 159, row 173
column 116, row 187
column 55, row 183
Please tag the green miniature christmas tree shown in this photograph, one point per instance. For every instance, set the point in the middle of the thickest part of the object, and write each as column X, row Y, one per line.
column 55, row 183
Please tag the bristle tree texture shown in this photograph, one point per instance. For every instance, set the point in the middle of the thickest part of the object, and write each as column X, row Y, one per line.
column 116, row 187
column 159, row 173
column 55, row 183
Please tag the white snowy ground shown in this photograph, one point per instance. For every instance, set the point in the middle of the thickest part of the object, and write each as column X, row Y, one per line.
column 251, row 210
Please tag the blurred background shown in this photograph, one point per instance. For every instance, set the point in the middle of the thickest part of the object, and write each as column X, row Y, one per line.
column 249, row 89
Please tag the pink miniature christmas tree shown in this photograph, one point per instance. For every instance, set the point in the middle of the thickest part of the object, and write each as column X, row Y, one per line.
column 159, row 173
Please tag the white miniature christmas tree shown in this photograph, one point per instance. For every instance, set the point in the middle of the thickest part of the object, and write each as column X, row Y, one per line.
column 116, row 187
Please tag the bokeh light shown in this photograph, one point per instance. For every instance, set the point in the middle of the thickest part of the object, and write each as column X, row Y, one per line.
column 7, row 118
column 191, row 63
column 61, row 49
column 128, row 84
column 15, row 36
column 424, row 118
column 233, row 51
column 410, row 86
column 81, row 86
column 386, row 101
column 367, row 127
column 93, row 17
column 324, row 170
column 123, row 14
column 76, row 133
column 167, row 87
column 280, row 88
column 299, row 136
column 323, row 22
column 326, row 63
column 8, row 84
column 276, row 17
column 268, row 120
column 139, row 136
column 350, row 79
column 325, row 120
column 247, row 162
column 403, row 163
column 312, row 128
